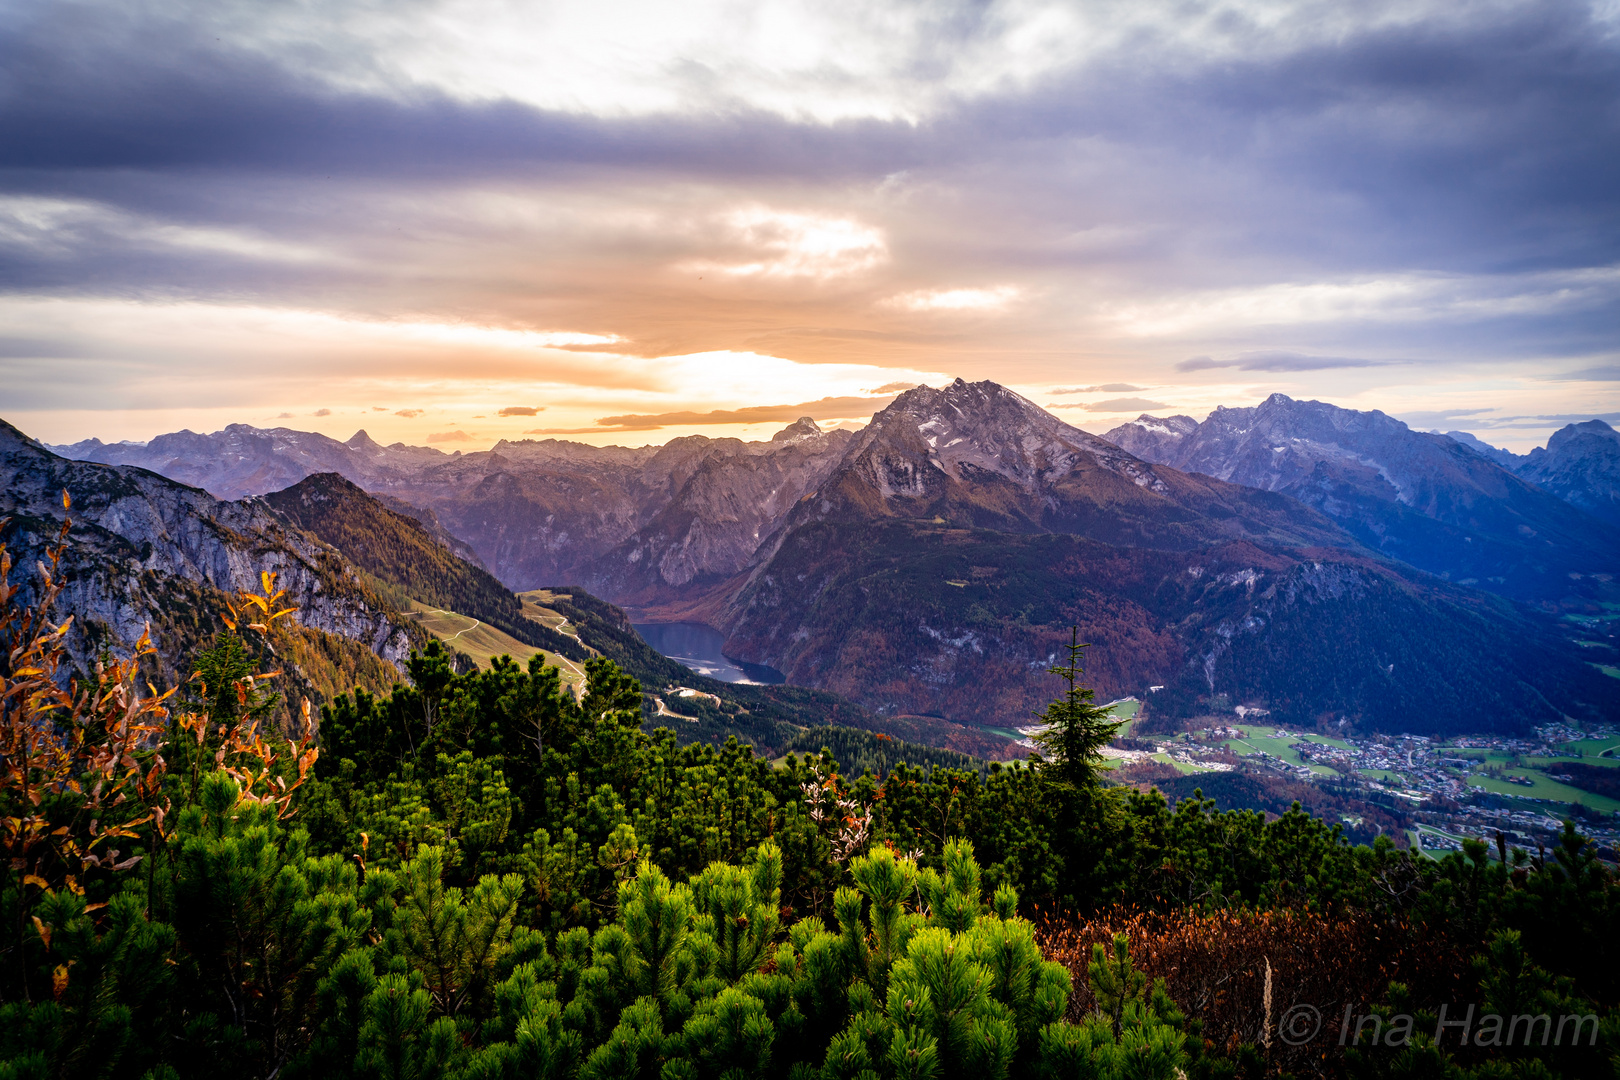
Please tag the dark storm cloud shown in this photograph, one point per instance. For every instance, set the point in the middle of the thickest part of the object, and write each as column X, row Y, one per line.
column 1505, row 121
column 155, row 97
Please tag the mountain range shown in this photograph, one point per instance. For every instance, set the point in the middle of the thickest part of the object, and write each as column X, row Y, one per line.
column 1293, row 557
column 1425, row 499
column 144, row 550
column 535, row 512
column 1580, row 464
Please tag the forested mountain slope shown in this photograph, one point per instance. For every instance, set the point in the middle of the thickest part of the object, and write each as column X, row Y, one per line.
column 406, row 560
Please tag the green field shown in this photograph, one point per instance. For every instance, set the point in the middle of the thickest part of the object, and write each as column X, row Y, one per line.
column 1282, row 748
column 1007, row 733
column 1384, row 776
column 534, row 607
column 1181, row 766
column 1591, row 748
column 1126, row 710
column 1542, row 762
column 483, row 642
column 1543, row 788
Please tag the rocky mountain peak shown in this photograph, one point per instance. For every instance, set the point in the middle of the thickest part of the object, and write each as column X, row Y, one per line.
column 322, row 487
column 980, row 454
column 364, row 443
column 802, row 428
column 1152, row 438
column 978, row 428
column 75, row 451
column 1569, row 433
column 1581, row 464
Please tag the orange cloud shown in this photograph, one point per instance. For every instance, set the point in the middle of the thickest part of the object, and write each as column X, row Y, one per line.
column 758, row 414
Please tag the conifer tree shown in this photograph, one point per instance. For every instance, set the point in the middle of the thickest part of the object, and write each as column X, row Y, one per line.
column 1076, row 727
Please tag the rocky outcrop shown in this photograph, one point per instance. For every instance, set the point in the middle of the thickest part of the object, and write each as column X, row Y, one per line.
column 147, row 549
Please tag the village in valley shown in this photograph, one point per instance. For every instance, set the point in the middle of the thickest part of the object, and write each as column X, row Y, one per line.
column 1445, row 790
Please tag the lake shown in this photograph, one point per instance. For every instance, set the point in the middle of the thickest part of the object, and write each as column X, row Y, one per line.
column 698, row 647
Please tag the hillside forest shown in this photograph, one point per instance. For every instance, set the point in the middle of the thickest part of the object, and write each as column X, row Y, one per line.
column 480, row 875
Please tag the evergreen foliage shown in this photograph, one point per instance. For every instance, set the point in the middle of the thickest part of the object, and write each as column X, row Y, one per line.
column 1075, row 728
column 869, row 751
column 480, row 876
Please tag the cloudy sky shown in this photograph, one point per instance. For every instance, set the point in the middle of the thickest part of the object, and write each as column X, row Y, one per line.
column 460, row 220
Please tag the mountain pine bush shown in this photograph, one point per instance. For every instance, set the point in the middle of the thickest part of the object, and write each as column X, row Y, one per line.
column 477, row 876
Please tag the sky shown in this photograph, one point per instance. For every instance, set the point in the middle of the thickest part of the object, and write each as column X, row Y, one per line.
column 454, row 221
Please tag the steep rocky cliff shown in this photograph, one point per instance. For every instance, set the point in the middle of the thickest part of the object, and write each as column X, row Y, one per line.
column 144, row 548
column 729, row 498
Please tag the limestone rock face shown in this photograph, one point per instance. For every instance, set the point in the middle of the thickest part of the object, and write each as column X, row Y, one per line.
column 147, row 549
column 727, row 498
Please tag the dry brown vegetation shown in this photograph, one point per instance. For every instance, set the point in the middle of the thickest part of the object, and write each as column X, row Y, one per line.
column 1213, row 964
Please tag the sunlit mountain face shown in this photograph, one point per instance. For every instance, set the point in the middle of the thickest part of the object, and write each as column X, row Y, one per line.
column 451, row 222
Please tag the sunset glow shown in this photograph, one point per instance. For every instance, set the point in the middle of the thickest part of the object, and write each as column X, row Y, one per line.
column 410, row 218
